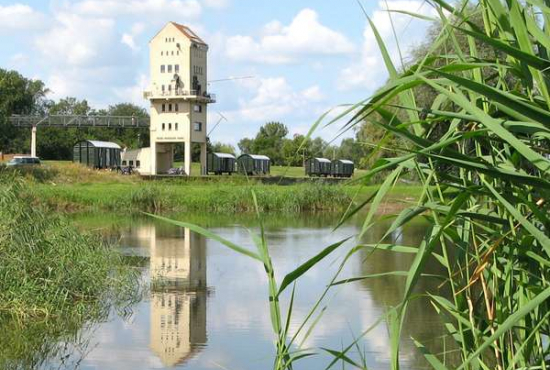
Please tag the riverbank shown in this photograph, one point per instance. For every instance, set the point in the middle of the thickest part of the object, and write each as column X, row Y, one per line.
column 55, row 278
column 48, row 265
column 72, row 188
column 162, row 197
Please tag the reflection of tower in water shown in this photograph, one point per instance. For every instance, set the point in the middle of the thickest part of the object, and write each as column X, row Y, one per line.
column 178, row 297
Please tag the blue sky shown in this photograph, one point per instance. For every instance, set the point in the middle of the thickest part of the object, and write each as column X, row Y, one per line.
column 306, row 56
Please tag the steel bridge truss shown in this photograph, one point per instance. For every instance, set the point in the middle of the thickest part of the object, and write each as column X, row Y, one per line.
column 80, row 121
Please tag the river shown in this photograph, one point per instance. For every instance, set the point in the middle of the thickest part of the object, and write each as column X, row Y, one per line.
column 208, row 307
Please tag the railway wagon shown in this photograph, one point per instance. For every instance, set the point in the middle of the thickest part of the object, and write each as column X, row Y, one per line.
column 254, row 164
column 97, row 154
column 342, row 168
column 317, row 167
column 219, row 163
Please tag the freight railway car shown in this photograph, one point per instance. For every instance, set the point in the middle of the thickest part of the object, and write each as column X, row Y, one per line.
column 97, row 154
column 318, row 167
column 219, row 163
column 342, row 168
column 253, row 164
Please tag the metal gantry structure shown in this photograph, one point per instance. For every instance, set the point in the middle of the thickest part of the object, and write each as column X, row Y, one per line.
column 127, row 122
column 80, row 121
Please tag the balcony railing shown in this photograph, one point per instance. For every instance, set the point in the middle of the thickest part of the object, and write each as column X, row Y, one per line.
column 193, row 94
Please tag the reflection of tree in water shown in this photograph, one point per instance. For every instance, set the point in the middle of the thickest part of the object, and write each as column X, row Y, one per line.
column 422, row 322
column 60, row 342
column 178, row 298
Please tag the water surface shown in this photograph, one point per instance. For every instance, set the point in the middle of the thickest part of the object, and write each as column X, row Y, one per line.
column 208, row 306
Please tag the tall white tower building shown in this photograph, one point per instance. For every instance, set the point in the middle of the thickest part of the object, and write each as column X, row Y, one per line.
column 179, row 98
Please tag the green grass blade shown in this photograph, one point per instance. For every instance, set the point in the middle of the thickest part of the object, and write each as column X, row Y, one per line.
column 209, row 235
column 303, row 268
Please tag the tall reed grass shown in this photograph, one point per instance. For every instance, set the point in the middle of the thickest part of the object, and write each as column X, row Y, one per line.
column 53, row 278
column 161, row 197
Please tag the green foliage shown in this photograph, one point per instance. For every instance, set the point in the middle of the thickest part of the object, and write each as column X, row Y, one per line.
column 272, row 141
column 190, row 197
column 57, row 143
column 55, row 278
column 223, row 148
column 479, row 146
column 268, row 141
column 18, row 95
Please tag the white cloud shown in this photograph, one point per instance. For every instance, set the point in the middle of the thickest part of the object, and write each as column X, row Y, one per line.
column 275, row 98
column 128, row 39
column 77, row 41
column 278, row 44
column 370, row 72
column 166, row 9
column 18, row 60
column 216, row 4
column 20, row 17
column 134, row 94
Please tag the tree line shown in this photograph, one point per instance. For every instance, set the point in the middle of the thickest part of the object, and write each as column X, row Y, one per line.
column 20, row 95
column 273, row 141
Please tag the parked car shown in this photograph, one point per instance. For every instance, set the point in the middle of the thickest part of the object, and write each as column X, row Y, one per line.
column 23, row 161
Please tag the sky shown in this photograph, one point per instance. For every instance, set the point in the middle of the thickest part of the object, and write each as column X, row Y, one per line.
column 305, row 57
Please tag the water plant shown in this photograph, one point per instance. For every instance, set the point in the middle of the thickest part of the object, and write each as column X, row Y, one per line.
column 54, row 279
column 162, row 197
column 481, row 150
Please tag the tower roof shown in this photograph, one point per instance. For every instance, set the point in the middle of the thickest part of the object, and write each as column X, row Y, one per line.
column 186, row 31
column 189, row 33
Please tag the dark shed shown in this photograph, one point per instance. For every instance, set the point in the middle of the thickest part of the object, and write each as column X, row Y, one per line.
column 318, row 167
column 253, row 164
column 97, row 154
column 342, row 168
column 219, row 163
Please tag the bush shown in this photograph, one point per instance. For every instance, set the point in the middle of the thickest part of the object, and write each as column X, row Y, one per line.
column 54, row 278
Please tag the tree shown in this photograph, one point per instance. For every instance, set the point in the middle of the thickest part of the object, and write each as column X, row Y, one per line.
column 269, row 141
column 295, row 150
column 273, row 130
column 317, row 147
column 218, row 147
column 18, row 95
column 245, row 145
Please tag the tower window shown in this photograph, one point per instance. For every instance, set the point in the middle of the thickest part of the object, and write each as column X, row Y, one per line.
column 197, row 108
column 161, row 53
column 162, row 88
column 176, row 107
column 172, row 52
column 162, row 68
column 163, row 126
column 169, row 107
column 198, row 126
column 169, row 68
column 177, row 68
column 164, row 107
column 176, row 127
column 170, row 127
column 169, row 87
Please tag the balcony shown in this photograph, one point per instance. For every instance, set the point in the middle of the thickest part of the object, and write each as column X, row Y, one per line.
column 180, row 93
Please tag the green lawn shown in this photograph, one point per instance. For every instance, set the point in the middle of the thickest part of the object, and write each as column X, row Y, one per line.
column 70, row 186
column 275, row 170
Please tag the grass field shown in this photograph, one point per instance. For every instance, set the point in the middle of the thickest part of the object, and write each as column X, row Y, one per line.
column 275, row 170
column 65, row 186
